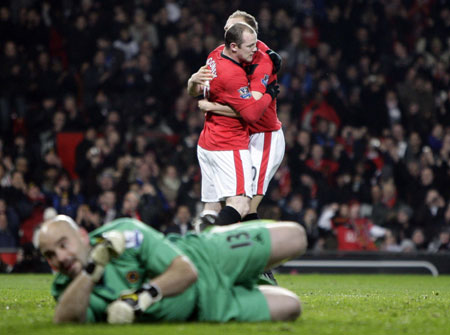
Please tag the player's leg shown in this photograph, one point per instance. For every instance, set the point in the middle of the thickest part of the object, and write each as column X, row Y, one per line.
column 235, row 209
column 261, row 303
column 288, row 240
column 207, row 217
column 283, row 304
column 266, row 152
column 253, row 212
column 209, row 195
column 233, row 180
column 244, row 251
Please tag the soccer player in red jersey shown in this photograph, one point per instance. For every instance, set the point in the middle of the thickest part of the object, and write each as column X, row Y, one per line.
column 267, row 143
column 223, row 144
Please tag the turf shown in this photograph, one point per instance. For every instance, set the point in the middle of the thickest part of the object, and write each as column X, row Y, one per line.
column 332, row 304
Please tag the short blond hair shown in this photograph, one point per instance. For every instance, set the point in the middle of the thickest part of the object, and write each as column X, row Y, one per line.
column 248, row 18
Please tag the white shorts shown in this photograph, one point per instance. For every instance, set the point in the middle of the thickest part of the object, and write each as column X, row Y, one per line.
column 267, row 152
column 225, row 174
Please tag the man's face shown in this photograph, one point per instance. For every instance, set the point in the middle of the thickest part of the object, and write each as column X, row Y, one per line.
column 247, row 49
column 65, row 249
column 130, row 203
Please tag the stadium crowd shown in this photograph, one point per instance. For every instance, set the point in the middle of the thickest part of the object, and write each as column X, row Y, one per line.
column 364, row 102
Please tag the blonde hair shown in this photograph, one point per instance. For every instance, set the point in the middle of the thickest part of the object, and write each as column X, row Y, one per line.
column 248, row 18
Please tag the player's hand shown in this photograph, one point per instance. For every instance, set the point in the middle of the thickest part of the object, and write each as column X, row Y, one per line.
column 276, row 60
column 132, row 303
column 273, row 89
column 110, row 245
column 202, row 76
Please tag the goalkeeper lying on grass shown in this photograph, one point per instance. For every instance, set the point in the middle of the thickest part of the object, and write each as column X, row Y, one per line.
column 127, row 272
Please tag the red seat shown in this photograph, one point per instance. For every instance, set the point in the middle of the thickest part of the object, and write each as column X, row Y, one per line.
column 9, row 258
column 66, row 144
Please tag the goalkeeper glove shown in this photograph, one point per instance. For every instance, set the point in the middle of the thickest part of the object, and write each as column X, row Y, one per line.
column 132, row 303
column 111, row 244
column 276, row 60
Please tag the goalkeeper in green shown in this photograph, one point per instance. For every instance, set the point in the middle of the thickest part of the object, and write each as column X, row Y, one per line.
column 126, row 272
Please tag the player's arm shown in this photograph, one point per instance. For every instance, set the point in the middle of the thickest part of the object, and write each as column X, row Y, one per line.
column 216, row 108
column 260, row 75
column 198, row 80
column 73, row 303
column 238, row 96
column 171, row 271
column 180, row 274
column 252, row 110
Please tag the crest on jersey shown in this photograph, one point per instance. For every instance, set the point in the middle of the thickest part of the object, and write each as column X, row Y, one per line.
column 244, row 92
column 132, row 277
column 265, row 80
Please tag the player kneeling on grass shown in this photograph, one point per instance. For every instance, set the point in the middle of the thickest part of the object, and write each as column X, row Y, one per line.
column 127, row 272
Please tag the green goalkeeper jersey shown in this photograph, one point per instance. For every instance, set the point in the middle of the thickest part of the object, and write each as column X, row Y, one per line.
column 224, row 287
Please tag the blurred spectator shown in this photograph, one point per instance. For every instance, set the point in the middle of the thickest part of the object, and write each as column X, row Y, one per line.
column 66, row 196
column 318, row 163
column 79, row 35
column 309, row 222
column 293, row 211
column 401, row 225
column 390, row 242
column 419, row 240
column 28, row 226
column 88, row 218
column 385, row 209
column 181, row 223
column 74, row 121
column 153, row 206
column 141, row 29
column 29, row 260
column 442, row 242
column 130, row 205
column 126, row 44
column 9, row 226
column 12, row 92
column 430, row 214
column 169, row 184
column 107, row 206
column 352, row 231
column 16, row 196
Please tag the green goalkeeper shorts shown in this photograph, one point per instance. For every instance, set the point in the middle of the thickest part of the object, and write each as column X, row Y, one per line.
column 241, row 251
column 237, row 254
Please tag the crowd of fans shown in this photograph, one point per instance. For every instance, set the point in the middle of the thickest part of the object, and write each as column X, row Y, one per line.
column 364, row 102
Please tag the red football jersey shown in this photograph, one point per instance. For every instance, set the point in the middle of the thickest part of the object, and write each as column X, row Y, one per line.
column 259, row 77
column 230, row 87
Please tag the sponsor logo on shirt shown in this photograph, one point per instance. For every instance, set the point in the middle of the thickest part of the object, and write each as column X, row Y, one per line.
column 265, row 80
column 244, row 92
column 133, row 238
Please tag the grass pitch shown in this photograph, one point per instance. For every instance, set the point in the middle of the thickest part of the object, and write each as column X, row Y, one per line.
column 332, row 304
